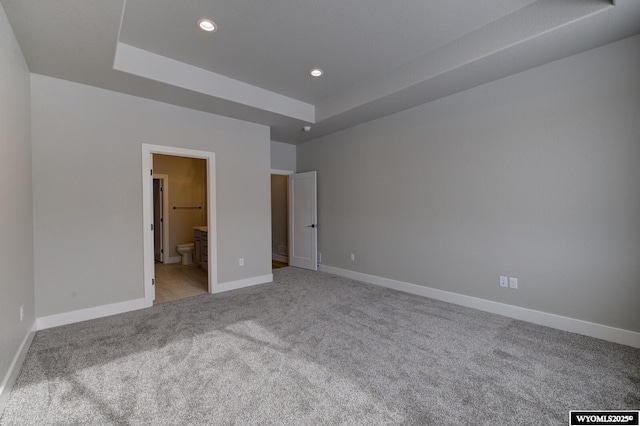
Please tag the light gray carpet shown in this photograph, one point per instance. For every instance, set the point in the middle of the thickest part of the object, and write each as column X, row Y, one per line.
column 313, row 348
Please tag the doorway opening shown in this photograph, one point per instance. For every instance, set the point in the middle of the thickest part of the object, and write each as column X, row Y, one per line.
column 180, row 261
column 279, row 219
column 186, row 180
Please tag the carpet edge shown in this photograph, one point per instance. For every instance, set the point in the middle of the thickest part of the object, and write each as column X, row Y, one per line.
column 573, row 325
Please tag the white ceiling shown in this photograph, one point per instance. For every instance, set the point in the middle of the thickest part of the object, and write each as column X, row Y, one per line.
column 273, row 44
column 379, row 57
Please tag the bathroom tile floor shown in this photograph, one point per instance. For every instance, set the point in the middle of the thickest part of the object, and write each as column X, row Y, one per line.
column 177, row 281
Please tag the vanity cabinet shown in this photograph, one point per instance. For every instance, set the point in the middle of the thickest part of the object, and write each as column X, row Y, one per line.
column 201, row 247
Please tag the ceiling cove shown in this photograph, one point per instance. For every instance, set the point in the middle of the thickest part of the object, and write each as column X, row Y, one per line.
column 377, row 58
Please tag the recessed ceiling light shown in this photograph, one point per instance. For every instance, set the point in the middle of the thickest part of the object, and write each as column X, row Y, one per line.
column 316, row 72
column 207, row 25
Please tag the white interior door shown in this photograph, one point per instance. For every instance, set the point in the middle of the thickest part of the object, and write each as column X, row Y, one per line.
column 303, row 226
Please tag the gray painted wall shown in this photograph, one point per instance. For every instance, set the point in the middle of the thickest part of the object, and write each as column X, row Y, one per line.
column 87, row 192
column 16, row 222
column 535, row 176
column 283, row 156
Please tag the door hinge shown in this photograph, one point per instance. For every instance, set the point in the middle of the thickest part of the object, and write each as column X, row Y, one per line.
column 151, row 172
column 153, row 281
column 152, row 226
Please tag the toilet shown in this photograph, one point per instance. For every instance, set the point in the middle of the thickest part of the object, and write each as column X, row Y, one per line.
column 186, row 250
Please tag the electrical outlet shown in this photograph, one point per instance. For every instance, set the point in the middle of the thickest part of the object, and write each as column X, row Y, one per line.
column 319, row 257
column 504, row 282
column 513, row 283
column 241, row 261
column 21, row 312
column 353, row 257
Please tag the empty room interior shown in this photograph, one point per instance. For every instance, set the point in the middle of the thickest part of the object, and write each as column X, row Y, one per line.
column 456, row 187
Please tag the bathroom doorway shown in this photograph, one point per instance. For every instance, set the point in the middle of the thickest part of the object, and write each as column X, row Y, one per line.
column 188, row 189
column 182, row 272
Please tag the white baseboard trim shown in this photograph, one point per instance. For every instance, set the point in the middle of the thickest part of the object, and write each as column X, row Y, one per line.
column 133, row 305
column 248, row 282
column 279, row 258
column 599, row 331
column 11, row 376
column 174, row 259
column 90, row 313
